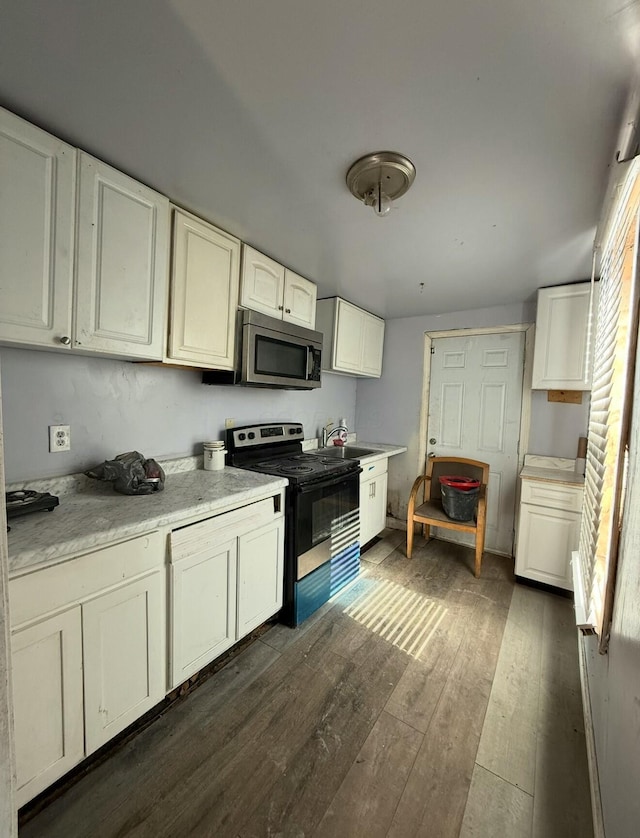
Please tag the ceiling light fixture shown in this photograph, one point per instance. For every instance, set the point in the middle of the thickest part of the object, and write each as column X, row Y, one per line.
column 378, row 179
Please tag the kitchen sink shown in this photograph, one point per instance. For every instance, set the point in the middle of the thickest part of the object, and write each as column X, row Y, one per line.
column 345, row 452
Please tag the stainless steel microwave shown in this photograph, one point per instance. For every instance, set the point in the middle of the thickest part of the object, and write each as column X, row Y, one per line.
column 272, row 353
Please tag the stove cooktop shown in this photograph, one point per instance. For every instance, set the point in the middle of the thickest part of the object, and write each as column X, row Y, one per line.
column 276, row 448
column 300, row 467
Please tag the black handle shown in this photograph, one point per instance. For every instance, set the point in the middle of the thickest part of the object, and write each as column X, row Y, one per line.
column 334, row 482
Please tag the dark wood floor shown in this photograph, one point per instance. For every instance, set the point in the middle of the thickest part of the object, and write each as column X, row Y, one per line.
column 366, row 721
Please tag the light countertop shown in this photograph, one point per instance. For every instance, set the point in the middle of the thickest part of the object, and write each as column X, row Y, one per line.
column 551, row 470
column 92, row 515
column 380, row 450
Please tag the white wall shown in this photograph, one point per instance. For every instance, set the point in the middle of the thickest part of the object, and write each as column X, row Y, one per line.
column 388, row 409
column 614, row 678
column 555, row 427
column 116, row 406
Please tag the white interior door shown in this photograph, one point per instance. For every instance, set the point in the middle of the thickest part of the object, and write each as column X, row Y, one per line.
column 475, row 399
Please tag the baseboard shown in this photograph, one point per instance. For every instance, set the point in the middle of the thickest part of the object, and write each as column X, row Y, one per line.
column 396, row 523
column 589, row 735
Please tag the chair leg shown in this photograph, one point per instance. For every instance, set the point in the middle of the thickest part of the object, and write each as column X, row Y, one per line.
column 479, row 552
column 426, row 530
column 480, row 534
column 409, row 537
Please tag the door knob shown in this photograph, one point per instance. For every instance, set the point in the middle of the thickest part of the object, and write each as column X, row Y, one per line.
column 432, row 441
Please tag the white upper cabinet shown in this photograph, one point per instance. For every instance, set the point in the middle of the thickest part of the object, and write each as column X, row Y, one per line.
column 37, row 180
column 563, row 352
column 204, row 294
column 373, row 343
column 299, row 300
column 353, row 339
column 121, row 264
column 268, row 287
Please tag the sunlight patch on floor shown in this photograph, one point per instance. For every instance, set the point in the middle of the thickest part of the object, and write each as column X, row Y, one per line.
column 403, row 617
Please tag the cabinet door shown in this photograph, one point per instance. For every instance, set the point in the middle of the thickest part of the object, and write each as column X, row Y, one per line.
column 121, row 264
column 204, row 294
column 563, row 345
column 373, row 343
column 348, row 337
column 299, row 300
column 47, row 701
column 546, row 538
column 262, row 284
column 260, row 575
column 203, row 608
column 373, row 507
column 123, row 657
column 37, row 177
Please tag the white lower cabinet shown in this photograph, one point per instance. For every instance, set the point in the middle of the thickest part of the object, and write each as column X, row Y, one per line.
column 88, row 655
column 373, row 499
column 124, row 674
column 227, row 577
column 47, row 701
column 260, row 575
column 203, row 587
column 548, row 531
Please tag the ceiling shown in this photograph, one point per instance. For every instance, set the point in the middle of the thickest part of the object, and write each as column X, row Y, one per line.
column 249, row 113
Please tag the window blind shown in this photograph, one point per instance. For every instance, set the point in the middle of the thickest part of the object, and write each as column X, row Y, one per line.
column 615, row 341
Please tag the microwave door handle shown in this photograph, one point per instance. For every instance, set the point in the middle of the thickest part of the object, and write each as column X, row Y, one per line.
column 309, row 362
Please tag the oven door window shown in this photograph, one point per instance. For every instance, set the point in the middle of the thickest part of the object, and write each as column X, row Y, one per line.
column 326, row 521
column 280, row 358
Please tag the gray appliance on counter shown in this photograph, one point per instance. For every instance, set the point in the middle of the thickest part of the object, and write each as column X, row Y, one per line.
column 322, row 522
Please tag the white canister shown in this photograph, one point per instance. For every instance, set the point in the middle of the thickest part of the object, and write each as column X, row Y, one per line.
column 214, row 454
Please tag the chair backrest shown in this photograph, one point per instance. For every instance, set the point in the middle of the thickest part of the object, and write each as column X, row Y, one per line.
column 438, row 466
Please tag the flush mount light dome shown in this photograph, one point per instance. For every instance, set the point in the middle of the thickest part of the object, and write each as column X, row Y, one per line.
column 378, row 179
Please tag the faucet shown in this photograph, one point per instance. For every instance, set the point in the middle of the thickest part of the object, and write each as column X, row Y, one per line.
column 328, row 435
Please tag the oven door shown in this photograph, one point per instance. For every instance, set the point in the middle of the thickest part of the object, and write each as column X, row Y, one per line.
column 327, row 521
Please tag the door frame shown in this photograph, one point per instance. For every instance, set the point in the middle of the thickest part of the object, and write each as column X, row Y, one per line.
column 525, row 409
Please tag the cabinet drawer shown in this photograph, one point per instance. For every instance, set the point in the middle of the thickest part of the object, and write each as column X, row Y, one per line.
column 370, row 470
column 47, row 590
column 552, row 495
column 196, row 538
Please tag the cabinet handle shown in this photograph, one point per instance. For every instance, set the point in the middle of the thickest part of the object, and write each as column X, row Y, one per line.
column 280, row 308
column 65, row 340
column 372, row 490
column 287, row 311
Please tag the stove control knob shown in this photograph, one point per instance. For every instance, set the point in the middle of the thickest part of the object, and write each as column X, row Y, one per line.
column 242, row 436
column 252, row 435
column 293, row 431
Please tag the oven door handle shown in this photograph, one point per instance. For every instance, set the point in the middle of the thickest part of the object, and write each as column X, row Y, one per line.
column 329, row 481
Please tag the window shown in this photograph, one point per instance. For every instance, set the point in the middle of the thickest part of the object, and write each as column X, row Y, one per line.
column 611, row 398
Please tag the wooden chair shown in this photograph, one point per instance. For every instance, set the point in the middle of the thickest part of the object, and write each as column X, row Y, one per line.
column 430, row 512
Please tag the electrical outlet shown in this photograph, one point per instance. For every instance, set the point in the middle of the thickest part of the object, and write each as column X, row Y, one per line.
column 59, row 438
column 229, row 423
